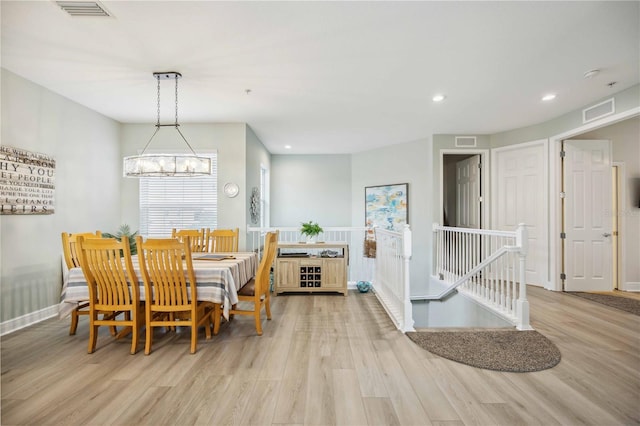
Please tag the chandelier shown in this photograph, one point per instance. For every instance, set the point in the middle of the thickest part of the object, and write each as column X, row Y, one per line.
column 162, row 165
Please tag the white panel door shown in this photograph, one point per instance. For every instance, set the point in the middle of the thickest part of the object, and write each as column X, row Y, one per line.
column 468, row 192
column 587, row 217
column 520, row 174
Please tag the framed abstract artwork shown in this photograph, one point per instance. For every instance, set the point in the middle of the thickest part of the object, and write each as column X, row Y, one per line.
column 387, row 206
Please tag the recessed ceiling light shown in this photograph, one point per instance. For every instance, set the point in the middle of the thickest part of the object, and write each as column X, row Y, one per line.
column 549, row 97
column 287, row 147
column 438, row 98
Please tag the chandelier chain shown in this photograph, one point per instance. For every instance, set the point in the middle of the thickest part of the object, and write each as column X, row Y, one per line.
column 176, row 100
column 166, row 165
column 158, row 123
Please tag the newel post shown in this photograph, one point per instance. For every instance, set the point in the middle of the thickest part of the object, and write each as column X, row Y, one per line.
column 406, row 257
column 436, row 267
column 522, row 304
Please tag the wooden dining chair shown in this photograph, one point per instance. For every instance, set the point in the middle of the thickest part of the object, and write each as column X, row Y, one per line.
column 198, row 241
column 223, row 240
column 72, row 260
column 171, row 295
column 256, row 291
column 113, row 287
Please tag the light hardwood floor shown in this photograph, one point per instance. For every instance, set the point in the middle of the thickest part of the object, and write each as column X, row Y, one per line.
column 323, row 360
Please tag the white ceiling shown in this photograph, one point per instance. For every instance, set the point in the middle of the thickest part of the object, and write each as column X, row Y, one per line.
column 330, row 77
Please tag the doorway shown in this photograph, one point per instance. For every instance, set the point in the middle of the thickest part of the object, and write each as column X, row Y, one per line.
column 462, row 183
column 556, row 259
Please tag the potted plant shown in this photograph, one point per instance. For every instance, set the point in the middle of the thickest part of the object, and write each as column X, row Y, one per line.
column 124, row 230
column 311, row 230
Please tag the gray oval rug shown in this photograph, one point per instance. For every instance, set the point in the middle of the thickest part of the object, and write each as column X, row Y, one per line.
column 503, row 350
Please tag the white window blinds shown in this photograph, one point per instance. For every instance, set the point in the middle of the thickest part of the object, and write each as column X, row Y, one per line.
column 181, row 203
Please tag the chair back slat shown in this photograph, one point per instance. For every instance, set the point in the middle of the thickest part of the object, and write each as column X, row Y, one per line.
column 256, row 291
column 113, row 286
column 167, row 271
column 224, row 240
column 197, row 238
column 70, row 247
column 264, row 269
column 171, row 298
column 107, row 266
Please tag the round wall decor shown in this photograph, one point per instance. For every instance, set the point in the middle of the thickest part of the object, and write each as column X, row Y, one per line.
column 231, row 189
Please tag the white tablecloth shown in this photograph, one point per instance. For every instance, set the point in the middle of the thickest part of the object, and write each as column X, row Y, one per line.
column 218, row 281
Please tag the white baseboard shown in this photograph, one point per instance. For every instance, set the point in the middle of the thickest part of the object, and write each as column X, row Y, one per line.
column 631, row 286
column 28, row 319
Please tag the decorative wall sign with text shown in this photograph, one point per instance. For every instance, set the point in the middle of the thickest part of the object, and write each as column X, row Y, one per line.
column 27, row 182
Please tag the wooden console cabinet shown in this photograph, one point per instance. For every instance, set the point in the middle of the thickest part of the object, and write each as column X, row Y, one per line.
column 309, row 268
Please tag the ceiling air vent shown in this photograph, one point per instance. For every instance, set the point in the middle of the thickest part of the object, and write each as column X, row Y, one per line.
column 600, row 110
column 83, row 8
column 465, row 141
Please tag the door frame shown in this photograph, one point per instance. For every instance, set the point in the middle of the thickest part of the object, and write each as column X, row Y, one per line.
column 555, row 145
column 621, row 186
column 484, row 182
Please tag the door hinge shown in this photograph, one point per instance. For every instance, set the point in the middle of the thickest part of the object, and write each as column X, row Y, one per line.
column 479, row 165
column 563, row 154
column 615, row 233
column 480, row 199
column 563, row 276
column 563, row 235
column 563, row 194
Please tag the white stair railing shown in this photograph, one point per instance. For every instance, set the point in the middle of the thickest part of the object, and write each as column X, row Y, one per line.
column 486, row 265
column 391, row 286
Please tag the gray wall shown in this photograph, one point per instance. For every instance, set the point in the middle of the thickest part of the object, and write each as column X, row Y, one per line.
column 625, row 100
column 85, row 146
column 412, row 163
column 91, row 193
column 311, row 187
column 257, row 156
column 228, row 139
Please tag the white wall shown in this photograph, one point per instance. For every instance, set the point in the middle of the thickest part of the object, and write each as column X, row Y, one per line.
column 412, row 163
column 85, row 146
column 311, row 187
column 625, row 141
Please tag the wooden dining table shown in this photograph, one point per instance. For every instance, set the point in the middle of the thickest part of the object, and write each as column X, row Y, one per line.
column 219, row 276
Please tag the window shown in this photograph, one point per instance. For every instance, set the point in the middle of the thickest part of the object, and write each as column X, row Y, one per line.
column 171, row 202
